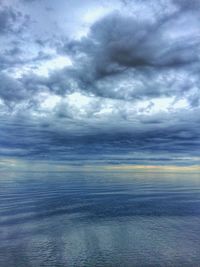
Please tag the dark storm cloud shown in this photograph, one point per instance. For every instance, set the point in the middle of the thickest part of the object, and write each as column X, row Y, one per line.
column 125, row 57
column 131, row 43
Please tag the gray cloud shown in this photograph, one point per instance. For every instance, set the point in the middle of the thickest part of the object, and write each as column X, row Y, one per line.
column 123, row 55
column 7, row 18
column 12, row 21
column 10, row 89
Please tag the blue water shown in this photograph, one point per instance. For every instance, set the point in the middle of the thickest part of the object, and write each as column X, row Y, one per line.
column 99, row 219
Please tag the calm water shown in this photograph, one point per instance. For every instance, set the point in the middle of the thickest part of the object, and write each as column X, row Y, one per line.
column 99, row 219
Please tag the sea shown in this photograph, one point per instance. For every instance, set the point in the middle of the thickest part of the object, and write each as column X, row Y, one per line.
column 100, row 218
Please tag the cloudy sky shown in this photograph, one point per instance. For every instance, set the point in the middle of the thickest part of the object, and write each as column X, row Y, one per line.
column 92, row 81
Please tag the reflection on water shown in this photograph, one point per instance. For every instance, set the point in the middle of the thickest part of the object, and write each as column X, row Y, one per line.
column 99, row 219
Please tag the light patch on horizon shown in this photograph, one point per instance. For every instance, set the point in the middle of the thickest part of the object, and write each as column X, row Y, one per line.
column 166, row 168
column 14, row 164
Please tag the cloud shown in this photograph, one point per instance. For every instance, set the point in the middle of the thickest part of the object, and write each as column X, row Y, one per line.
column 130, row 91
column 123, row 57
column 10, row 89
column 187, row 5
column 7, row 18
column 12, row 21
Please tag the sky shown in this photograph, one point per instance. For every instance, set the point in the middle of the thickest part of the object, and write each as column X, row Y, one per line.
column 100, row 82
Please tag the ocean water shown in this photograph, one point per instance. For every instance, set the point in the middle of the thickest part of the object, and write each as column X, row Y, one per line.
column 101, row 219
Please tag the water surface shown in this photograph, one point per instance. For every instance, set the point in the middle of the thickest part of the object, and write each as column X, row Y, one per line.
column 99, row 219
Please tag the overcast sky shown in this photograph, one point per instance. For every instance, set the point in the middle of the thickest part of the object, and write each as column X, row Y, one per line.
column 100, row 81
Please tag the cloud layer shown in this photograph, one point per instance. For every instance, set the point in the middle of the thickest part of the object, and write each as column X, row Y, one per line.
column 119, row 84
